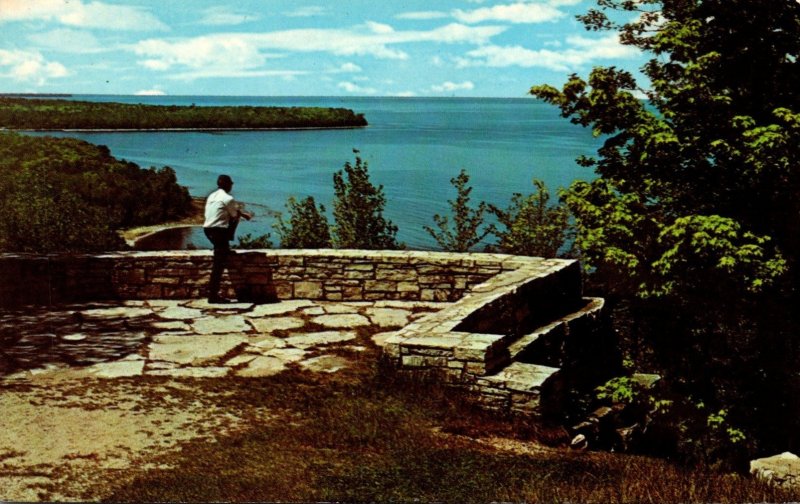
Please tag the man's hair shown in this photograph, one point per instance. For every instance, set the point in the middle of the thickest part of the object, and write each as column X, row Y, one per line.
column 224, row 181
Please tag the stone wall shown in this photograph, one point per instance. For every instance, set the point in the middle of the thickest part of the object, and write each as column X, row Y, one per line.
column 280, row 274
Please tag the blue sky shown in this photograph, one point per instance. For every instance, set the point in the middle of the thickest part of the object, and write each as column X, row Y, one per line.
column 299, row 47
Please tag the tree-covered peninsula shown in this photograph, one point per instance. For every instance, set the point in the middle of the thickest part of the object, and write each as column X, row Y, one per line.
column 49, row 114
column 67, row 195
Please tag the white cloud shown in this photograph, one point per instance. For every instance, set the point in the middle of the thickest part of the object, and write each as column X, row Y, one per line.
column 581, row 51
column 234, row 53
column 405, row 94
column 514, row 13
column 68, row 41
column 220, row 16
column 349, row 68
column 422, row 15
column 306, row 12
column 29, row 66
column 453, row 86
column 151, row 92
column 355, row 88
column 80, row 14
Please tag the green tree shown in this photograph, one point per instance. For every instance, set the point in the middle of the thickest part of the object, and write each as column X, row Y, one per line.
column 307, row 227
column 464, row 232
column 694, row 221
column 532, row 226
column 358, row 210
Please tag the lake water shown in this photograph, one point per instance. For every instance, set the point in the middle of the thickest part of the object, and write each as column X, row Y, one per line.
column 414, row 146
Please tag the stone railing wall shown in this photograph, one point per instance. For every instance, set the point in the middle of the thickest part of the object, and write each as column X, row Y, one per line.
column 278, row 274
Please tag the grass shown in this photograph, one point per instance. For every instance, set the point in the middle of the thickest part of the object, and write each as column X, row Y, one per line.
column 358, row 436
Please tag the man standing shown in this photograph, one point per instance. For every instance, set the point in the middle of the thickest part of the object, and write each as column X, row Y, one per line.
column 222, row 217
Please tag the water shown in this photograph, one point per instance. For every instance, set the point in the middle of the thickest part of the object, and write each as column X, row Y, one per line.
column 414, row 146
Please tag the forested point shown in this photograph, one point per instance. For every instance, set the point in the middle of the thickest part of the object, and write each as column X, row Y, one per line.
column 67, row 195
column 50, row 114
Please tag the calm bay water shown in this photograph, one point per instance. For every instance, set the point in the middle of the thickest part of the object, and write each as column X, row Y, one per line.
column 414, row 146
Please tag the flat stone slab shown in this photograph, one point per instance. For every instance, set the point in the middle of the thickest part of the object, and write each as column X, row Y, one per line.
column 265, row 342
column 267, row 310
column 117, row 312
column 388, row 317
column 192, row 372
column 521, row 377
column 268, row 325
column 380, row 338
column 117, row 369
column 74, row 337
column 309, row 340
column 193, row 350
column 287, row 355
column 262, row 366
column 180, row 313
column 221, row 325
column 205, row 305
column 346, row 320
column 171, row 325
column 325, row 364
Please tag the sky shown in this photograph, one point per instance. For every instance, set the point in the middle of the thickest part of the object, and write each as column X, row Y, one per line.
column 469, row 48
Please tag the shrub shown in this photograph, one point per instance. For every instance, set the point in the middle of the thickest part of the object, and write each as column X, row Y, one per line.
column 307, row 227
column 464, row 233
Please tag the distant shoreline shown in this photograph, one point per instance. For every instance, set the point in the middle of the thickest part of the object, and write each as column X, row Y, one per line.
column 175, row 130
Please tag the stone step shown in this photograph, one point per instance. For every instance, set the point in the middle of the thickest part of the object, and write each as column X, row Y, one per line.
column 554, row 334
column 515, row 389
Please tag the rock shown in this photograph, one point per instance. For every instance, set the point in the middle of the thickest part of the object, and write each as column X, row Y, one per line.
column 325, row 364
column 117, row 312
column 172, row 325
column 192, row 372
column 117, row 369
column 180, row 313
column 320, row 338
column 347, row 320
column 221, row 325
column 263, row 343
column 268, row 325
column 781, row 470
column 262, row 366
column 338, row 309
column 388, row 317
column 380, row 338
column 74, row 337
column 287, row 354
column 193, row 350
column 205, row 305
column 240, row 359
column 266, row 310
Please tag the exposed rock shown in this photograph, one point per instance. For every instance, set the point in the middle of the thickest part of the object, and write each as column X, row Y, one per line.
column 221, row 325
column 351, row 320
column 192, row 372
column 388, row 317
column 240, row 359
column 337, row 308
column 117, row 369
column 74, row 337
column 781, row 470
column 262, row 366
column 180, row 313
column 325, row 364
column 380, row 338
column 268, row 325
column 121, row 312
column 205, row 305
column 171, row 325
column 265, row 342
column 266, row 310
column 188, row 350
column 286, row 354
column 319, row 338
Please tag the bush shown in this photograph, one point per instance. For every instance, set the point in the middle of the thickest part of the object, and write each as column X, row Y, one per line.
column 307, row 227
column 532, row 226
column 464, row 232
column 358, row 211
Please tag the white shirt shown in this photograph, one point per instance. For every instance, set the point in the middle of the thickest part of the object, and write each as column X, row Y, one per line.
column 220, row 209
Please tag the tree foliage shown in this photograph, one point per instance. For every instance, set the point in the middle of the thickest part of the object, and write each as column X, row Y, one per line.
column 307, row 227
column 694, row 220
column 465, row 231
column 358, row 210
column 66, row 195
column 41, row 114
column 531, row 225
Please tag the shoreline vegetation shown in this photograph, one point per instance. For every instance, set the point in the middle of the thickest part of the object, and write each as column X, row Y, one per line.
column 194, row 217
column 35, row 114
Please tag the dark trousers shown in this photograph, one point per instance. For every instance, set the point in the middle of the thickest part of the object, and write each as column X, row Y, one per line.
column 219, row 237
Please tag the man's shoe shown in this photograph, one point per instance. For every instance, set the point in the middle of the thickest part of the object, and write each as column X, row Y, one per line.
column 219, row 300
